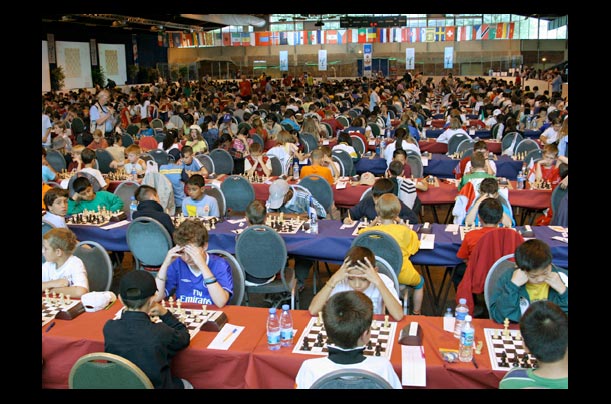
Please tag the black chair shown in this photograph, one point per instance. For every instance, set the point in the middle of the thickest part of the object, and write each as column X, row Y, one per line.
column 455, row 141
column 216, row 192
column 103, row 370
column 223, row 162
column 346, row 160
column 309, row 142
column 557, row 194
column 262, row 253
column 127, row 139
column 56, row 160
column 206, row 162
column 276, row 165
column 375, row 129
column 560, row 207
column 320, row 189
column 97, row 263
column 160, row 156
column 237, row 274
column 534, row 155
column 132, row 129
column 149, row 242
column 526, row 145
column 415, row 163
column 238, row 192
column 159, row 136
column 126, row 190
column 343, row 121
column 104, row 158
column 256, row 138
column 157, row 124
column 244, row 125
column 351, row 379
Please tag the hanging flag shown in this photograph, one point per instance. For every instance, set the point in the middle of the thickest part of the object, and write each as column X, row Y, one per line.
column 492, row 31
column 330, row 37
column 510, row 29
column 284, row 61
column 367, row 61
column 383, row 35
column 362, row 35
column 262, row 38
column 166, row 41
column 322, row 60
column 532, row 173
column 450, row 33
column 284, row 38
column 371, row 35
column 481, row 31
column 176, row 39
column 500, row 30
column 413, row 34
column 236, row 38
column 427, row 34
column 342, row 36
column 448, row 57
column 354, row 35
column 291, row 37
column 274, row 38
column 226, row 38
column 410, row 58
column 440, row 34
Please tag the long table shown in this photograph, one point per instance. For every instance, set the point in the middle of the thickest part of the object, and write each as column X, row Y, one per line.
column 443, row 166
column 249, row 364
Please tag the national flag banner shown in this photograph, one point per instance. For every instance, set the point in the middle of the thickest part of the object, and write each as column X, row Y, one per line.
column 176, row 39
column 320, row 37
column 195, row 39
column 367, row 59
column 166, row 40
column 481, row 31
column 236, row 39
column 343, row 35
column 322, row 60
column 201, row 38
column 330, row 37
column 501, row 30
column 310, row 37
column 218, row 39
column 262, row 38
column 413, row 34
column 440, row 34
column 274, row 38
column 464, row 33
column 246, row 38
column 362, row 35
column 492, row 31
column 301, row 37
column 284, row 37
column 448, row 57
column 510, row 29
column 532, row 173
column 284, row 61
column 410, row 58
column 372, row 35
column 427, row 34
column 383, row 35
column 159, row 39
column 450, row 33
column 226, row 39
column 292, row 37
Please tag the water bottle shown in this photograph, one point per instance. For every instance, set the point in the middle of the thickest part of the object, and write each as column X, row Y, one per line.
column 465, row 347
column 273, row 330
column 461, row 312
column 313, row 218
column 296, row 171
column 448, row 312
column 133, row 207
column 286, row 327
column 134, row 173
column 520, row 180
column 382, row 147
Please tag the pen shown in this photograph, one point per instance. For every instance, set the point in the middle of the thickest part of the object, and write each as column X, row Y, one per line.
column 474, row 363
column 50, row 326
column 230, row 334
column 422, row 351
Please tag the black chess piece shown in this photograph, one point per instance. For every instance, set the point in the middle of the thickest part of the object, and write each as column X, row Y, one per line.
column 369, row 346
column 378, row 350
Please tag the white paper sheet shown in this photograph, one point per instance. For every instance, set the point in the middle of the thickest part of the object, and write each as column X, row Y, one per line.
column 236, row 221
column 226, row 336
column 115, row 224
column 413, row 369
column 427, row 241
column 341, row 184
column 453, row 228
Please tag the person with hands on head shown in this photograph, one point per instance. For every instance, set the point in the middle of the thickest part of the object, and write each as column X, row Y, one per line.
column 535, row 278
column 358, row 272
column 194, row 275
column 257, row 163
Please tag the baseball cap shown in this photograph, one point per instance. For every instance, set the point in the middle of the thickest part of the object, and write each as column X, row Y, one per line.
column 496, row 112
column 227, row 118
column 197, row 128
column 137, row 285
column 95, row 301
column 277, row 191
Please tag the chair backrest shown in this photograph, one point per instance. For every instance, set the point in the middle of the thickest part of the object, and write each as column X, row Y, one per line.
column 56, row 160
column 97, row 263
column 415, row 163
column 127, row 139
column 46, row 226
column 343, row 121
column 103, row 370
column 223, row 162
column 385, row 268
column 328, row 128
column 237, row 273
column 77, row 126
column 351, row 379
column 342, row 169
column 216, row 192
column 526, row 145
column 320, row 189
column 244, row 125
column 354, row 113
column 375, row 129
column 358, row 144
column 465, row 145
column 132, row 129
column 346, row 161
column 557, row 194
column 511, row 138
column 256, row 138
column 238, row 191
column 383, row 245
column 276, row 165
column 104, row 158
column 251, row 244
column 157, row 123
column 148, row 240
column 502, row 265
column 125, row 190
column 534, row 155
column 206, row 162
column 159, row 136
column 160, row 156
column 455, row 141
column 94, row 182
column 53, row 184
column 309, row 142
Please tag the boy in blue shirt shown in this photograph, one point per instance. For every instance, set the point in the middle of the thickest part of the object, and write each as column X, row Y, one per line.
column 198, row 203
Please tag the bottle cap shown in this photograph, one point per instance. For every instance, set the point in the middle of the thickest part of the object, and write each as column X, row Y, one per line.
column 285, row 307
column 462, row 300
column 272, row 310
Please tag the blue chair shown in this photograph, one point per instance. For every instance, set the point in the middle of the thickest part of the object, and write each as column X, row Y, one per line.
column 238, row 192
column 256, row 138
column 455, row 141
column 276, row 165
column 237, row 273
column 104, row 158
column 126, row 190
column 56, row 160
column 77, row 126
column 132, row 129
column 309, row 142
column 358, row 144
column 511, row 138
column 160, row 156
column 149, row 242
column 97, row 263
column 351, row 379
column 206, row 162
column 46, row 226
column 216, row 192
column 223, row 162
column 320, row 189
column 346, row 160
column 526, row 145
column 127, row 139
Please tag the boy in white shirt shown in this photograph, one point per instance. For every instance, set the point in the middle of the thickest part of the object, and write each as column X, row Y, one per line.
column 62, row 272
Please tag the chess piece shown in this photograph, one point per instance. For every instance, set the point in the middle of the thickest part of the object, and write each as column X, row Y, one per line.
column 47, row 295
column 378, row 350
column 386, row 321
column 171, row 302
column 369, row 345
column 319, row 319
column 518, row 335
column 178, row 306
column 506, row 329
column 68, row 299
column 496, row 334
column 204, row 309
column 478, row 347
column 305, row 346
column 163, row 303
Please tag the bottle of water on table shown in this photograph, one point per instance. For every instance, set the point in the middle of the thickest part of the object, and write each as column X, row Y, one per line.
column 465, row 347
column 286, row 327
column 461, row 312
column 133, row 207
column 273, row 330
column 296, row 171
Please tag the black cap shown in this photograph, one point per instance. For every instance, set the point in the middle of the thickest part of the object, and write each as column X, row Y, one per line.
column 136, row 285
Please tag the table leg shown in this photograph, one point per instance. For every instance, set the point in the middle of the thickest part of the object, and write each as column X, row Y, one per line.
column 430, row 288
column 435, row 294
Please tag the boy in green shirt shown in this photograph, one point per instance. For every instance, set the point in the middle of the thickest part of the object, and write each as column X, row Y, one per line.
column 85, row 198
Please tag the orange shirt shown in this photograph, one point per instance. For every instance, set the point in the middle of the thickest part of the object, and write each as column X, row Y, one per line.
column 45, row 188
column 324, row 172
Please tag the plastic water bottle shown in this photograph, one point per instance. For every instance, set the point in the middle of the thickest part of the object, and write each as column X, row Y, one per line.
column 521, row 180
column 286, row 327
column 465, row 347
column 313, row 218
column 448, row 312
column 296, row 170
column 133, row 207
column 273, row 330
column 134, row 173
column 460, row 312
column 382, row 147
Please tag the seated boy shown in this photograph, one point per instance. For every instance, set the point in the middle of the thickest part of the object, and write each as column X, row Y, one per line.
column 133, row 160
column 190, row 164
column 195, row 276
column 317, row 167
column 149, row 345
column 56, row 202
column 257, row 163
column 359, row 272
column 347, row 317
column 149, row 206
column 88, row 158
column 198, row 203
column 478, row 169
column 535, row 278
column 366, row 206
column 467, row 203
column 62, row 272
column 387, row 221
column 85, row 197
column 545, row 331
column 547, row 169
column 405, row 187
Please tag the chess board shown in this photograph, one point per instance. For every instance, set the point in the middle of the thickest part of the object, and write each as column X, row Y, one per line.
column 380, row 336
column 55, row 309
column 91, row 218
column 358, row 227
column 194, row 319
column 286, row 226
column 209, row 221
column 465, row 229
column 510, row 348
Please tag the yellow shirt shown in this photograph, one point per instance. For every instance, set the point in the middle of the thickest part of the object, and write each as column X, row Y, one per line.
column 409, row 243
column 537, row 291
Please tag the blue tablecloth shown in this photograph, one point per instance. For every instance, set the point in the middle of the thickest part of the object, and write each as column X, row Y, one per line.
column 376, row 166
column 331, row 244
column 482, row 133
column 443, row 166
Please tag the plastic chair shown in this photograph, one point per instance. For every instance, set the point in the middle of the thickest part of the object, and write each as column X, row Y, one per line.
column 366, row 194
column 148, row 241
column 206, row 162
column 238, row 192
column 97, row 263
column 465, row 145
column 249, row 248
column 223, row 162
column 343, row 121
column 56, row 160
column 46, row 226
column 244, row 125
column 534, row 155
column 77, row 126
column 126, row 190
column 132, row 129
column 385, row 268
column 216, row 192
column 160, row 156
column 159, row 136
column 346, row 160
column 127, row 139
column 342, row 169
column 415, row 163
column 256, row 138
column 526, row 145
column 276, row 165
column 351, row 379
column 502, row 265
column 328, row 128
column 103, row 370
column 104, row 158
column 358, row 144
column 511, row 138
column 320, row 189
column 559, row 209
column 157, row 124
column 375, row 129
column 237, row 273
column 383, row 245
column 455, row 141
column 309, row 142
